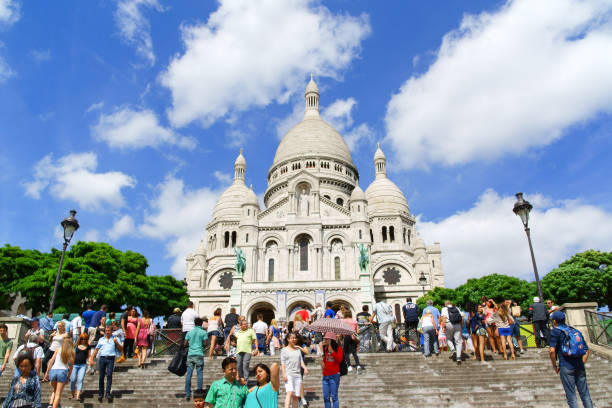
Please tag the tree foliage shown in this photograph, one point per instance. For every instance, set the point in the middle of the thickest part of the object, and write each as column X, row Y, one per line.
column 92, row 272
column 585, row 277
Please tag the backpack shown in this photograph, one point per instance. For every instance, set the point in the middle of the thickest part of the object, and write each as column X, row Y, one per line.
column 573, row 344
column 454, row 316
column 411, row 312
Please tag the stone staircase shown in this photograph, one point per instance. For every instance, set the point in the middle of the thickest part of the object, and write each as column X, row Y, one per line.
column 388, row 380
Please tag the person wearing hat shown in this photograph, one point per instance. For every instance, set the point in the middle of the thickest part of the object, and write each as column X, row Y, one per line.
column 174, row 321
column 332, row 356
column 539, row 316
column 570, row 369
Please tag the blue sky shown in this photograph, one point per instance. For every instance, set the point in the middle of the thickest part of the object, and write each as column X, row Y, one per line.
column 133, row 111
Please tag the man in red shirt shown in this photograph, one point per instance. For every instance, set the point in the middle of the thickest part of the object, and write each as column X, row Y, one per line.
column 304, row 314
column 332, row 356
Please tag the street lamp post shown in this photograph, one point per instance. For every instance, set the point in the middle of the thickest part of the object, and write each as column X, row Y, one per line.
column 70, row 225
column 522, row 208
column 423, row 281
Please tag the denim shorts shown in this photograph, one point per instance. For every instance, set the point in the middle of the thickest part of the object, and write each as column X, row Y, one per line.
column 58, row 375
column 505, row 331
column 214, row 333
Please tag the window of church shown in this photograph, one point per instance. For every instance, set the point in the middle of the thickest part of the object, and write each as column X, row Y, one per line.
column 408, row 237
column 433, row 264
column 271, row 270
column 371, row 236
column 326, row 196
column 360, row 237
column 304, row 254
column 404, row 235
column 233, row 239
column 337, row 268
column 226, row 239
column 247, row 238
column 358, row 208
column 384, row 234
column 339, row 201
column 248, row 211
column 391, row 234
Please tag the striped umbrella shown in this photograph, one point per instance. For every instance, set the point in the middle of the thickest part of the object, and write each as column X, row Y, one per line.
column 337, row 326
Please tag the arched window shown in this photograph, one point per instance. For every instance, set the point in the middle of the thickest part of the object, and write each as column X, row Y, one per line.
column 226, row 239
column 358, row 208
column 326, row 196
column 408, row 235
column 247, row 238
column 398, row 314
column 384, row 234
column 233, row 239
column 248, row 211
column 360, row 237
column 303, row 254
column 371, row 236
column 433, row 264
column 392, row 234
column 337, row 268
column 271, row 270
column 339, row 201
column 404, row 234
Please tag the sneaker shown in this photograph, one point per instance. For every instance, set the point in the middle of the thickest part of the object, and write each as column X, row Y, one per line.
column 100, row 399
column 350, row 368
column 522, row 351
column 304, row 402
column 187, row 397
column 359, row 368
column 458, row 362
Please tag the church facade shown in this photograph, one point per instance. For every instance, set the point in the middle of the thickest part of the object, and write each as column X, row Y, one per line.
column 303, row 248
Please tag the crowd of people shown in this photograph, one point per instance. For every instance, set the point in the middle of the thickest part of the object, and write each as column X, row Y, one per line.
column 62, row 352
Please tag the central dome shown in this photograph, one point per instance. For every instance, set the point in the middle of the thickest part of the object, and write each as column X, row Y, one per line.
column 312, row 136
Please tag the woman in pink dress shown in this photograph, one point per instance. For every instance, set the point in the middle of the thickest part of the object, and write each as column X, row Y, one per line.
column 142, row 339
column 130, row 333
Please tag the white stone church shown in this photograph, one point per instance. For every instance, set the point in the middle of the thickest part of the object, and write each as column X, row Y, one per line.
column 302, row 248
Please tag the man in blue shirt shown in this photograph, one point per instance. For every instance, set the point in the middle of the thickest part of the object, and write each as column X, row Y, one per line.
column 329, row 312
column 108, row 346
column 195, row 356
column 46, row 323
column 95, row 321
column 570, row 369
column 87, row 315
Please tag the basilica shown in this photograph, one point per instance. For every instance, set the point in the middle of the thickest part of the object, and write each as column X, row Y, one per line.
column 303, row 247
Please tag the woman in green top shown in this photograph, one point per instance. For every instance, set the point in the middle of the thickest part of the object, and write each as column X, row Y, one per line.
column 265, row 394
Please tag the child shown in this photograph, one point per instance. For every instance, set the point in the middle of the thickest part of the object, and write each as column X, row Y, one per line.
column 232, row 349
column 198, row 398
column 118, row 334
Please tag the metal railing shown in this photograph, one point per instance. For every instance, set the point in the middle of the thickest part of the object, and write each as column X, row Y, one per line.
column 599, row 326
column 167, row 342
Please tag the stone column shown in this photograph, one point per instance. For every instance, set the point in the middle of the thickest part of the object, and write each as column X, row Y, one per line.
column 320, row 262
column 236, row 292
column 290, row 270
column 575, row 316
column 292, row 206
column 325, row 261
column 316, row 202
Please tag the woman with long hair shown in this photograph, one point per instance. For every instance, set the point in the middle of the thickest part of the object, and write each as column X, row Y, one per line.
column 503, row 321
column 214, row 330
column 430, row 333
column 351, row 342
column 298, row 323
column 274, row 334
column 265, row 393
column 130, row 333
column 489, row 309
column 59, row 370
column 81, row 356
column 25, row 389
column 332, row 356
column 142, row 337
column 479, row 333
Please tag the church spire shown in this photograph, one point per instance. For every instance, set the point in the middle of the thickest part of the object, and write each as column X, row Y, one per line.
column 380, row 162
column 239, row 167
column 312, row 98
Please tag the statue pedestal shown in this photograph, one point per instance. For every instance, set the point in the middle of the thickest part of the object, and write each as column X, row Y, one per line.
column 236, row 293
column 366, row 293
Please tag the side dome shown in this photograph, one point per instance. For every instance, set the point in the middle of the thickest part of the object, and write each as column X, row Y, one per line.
column 358, row 194
column 229, row 204
column 385, row 197
column 251, row 198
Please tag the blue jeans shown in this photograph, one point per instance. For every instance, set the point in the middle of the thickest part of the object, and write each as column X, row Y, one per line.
column 77, row 376
column 261, row 343
column 429, row 337
column 196, row 362
column 572, row 379
column 330, row 390
column 106, row 369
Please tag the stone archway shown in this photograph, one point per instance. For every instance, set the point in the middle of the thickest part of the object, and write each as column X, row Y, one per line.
column 297, row 305
column 265, row 308
column 340, row 302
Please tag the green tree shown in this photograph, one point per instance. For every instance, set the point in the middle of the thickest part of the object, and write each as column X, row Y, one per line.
column 93, row 272
column 496, row 287
column 580, row 279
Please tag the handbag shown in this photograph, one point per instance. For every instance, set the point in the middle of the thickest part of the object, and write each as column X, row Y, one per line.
column 420, row 326
column 442, row 339
column 178, row 364
column 355, row 338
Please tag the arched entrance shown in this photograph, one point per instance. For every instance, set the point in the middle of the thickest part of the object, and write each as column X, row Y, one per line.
column 294, row 307
column 266, row 309
column 339, row 302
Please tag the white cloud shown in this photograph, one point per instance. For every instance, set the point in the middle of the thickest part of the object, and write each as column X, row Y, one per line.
column 123, row 226
column 5, row 70
column 134, row 27
column 95, row 106
column 92, row 235
column 179, row 215
column 284, row 125
column 506, row 81
column 339, row 115
column 127, row 128
column 252, row 53
column 40, row 55
column 223, row 178
column 488, row 238
column 73, row 177
column 9, row 11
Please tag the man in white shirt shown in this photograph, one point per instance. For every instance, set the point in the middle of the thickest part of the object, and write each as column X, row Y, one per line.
column 452, row 320
column 77, row 327
column 261, row 329
column 35, row 349
column 187, row 318
column 384, row 316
